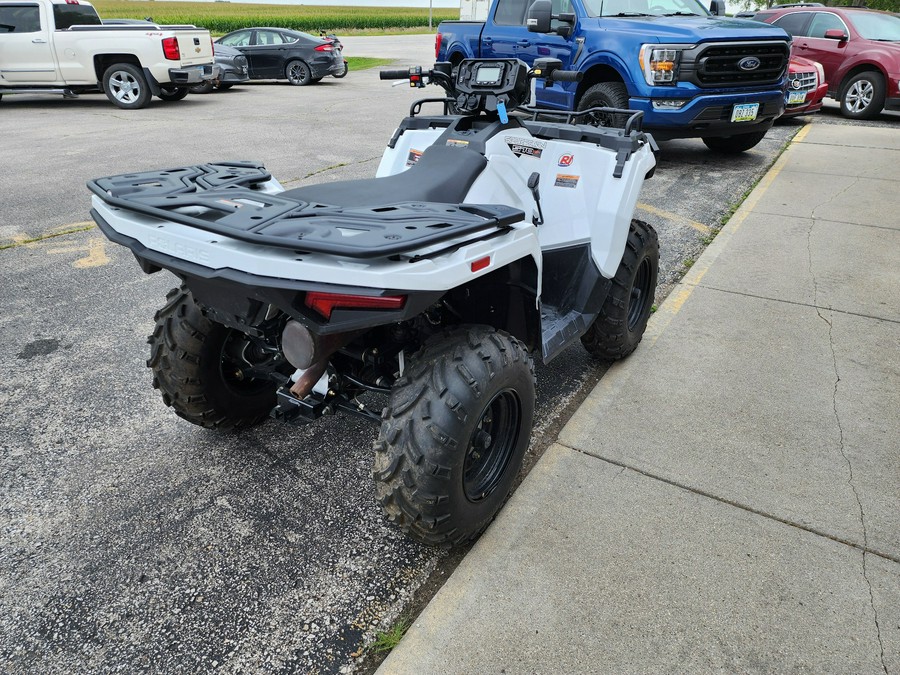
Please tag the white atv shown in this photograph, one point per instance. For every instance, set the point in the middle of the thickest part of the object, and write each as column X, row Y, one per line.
column 486, row 236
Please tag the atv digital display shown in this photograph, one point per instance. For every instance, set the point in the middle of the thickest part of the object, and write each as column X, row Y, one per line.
column 489, row 74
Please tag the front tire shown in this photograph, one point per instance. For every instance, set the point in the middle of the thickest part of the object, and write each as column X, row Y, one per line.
column 454, row 434
column 195, row 361
column 298, row 73
column 734, row 144
column 618, row 329
column 173, row 93
column 605, row 95
column 862, row 97
column 126, row 87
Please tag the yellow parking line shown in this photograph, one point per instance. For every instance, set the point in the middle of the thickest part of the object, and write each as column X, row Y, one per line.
column 663, row 316
column 668, row 215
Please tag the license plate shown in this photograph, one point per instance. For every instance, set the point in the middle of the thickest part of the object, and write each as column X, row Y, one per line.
column 745, row 112
column 796, row 97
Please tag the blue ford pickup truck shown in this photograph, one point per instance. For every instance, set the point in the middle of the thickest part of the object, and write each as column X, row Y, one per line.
column 694, row 73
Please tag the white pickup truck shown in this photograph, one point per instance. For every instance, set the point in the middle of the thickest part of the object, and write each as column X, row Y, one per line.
column 61, row 47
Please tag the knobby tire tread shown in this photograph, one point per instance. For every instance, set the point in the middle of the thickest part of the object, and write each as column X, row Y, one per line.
column 418, row 451
column 176, row 358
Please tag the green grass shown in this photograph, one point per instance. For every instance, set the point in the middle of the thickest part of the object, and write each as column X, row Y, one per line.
column 223, row 17
column 385, row 641
column 364, row 62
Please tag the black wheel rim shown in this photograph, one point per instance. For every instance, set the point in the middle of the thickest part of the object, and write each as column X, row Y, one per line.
column 238, row 353
column 641, row 293
column 491, row 446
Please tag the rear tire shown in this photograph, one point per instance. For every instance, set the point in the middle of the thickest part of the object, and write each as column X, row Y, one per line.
column 734, row 144
column 173, row 93
column 205, row 87
column 862, row 97
column 126, row 87
column 605, row 95
column 618, row 329
column 193, row 368
column 298, row 73
column 454, row 433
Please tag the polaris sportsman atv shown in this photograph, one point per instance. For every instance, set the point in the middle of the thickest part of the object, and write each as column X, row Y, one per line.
column 414, row 299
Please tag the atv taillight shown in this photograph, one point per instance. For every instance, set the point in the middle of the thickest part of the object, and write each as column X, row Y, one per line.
column 437, row 45
column 170, row 48
column 327, row 47
column 325, row 303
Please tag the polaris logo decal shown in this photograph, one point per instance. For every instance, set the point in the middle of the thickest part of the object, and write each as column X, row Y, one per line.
column 749, row 63
column 525, row 146
column 566, row 160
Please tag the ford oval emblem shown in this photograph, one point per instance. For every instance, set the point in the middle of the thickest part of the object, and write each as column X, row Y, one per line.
column 749, row 63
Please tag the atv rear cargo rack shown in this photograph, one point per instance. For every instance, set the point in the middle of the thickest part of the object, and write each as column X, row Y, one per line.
column 225, row 198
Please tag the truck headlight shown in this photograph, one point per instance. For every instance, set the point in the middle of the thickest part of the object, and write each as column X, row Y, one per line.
column 659, row 63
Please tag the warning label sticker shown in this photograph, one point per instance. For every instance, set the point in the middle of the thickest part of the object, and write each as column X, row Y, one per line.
column 456, row 142
column 566, row 180
column 413, row 156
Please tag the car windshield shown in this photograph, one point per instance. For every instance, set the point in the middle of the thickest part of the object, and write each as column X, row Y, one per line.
column 645, row 8
column 883, row 27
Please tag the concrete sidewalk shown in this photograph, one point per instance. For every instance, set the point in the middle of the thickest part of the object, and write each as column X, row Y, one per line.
column 728, row 498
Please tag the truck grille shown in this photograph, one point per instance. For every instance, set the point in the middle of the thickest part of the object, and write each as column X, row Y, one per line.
column 736, row 64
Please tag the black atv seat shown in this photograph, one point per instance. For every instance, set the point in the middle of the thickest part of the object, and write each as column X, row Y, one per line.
column 442, row 174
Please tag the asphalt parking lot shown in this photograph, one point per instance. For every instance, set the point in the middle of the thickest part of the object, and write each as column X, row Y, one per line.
column 131, row 540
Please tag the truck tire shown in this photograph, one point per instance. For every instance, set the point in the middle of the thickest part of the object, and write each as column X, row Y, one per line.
column 173, row 93
column 618, row 329
column 298, row 73
column 862, row 96
column 734, row 144
column 126, row 86
column 193, row 369
column 605, row 95
column 204, row 87
column 454, row 433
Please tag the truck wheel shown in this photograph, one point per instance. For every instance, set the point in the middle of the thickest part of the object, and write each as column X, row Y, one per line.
column 298, row 73
column 862, row 97
column 204, row 87
column 605, row 95
column 619, row 327
column 125, row 86
column 196, row 364
column 454, row 434
column 173, row 93
column 734, row 144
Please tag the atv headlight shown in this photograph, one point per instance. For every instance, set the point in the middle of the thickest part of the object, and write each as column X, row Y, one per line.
column 659, row 63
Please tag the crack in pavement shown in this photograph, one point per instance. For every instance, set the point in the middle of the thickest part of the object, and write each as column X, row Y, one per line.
column 841, row 446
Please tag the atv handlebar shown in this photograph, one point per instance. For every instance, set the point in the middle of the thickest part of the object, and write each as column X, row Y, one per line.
column 565, row 76
column 394, row 74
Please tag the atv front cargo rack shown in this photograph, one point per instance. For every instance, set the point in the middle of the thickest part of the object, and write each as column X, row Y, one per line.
column 225, row 198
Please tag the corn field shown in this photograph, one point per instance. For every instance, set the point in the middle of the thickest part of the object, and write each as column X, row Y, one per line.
column 223, row 17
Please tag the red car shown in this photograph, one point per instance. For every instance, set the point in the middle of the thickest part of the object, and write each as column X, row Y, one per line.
column 859, row 49
column 806, row 87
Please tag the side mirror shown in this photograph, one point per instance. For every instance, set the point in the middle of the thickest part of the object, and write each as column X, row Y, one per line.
column 717, row 7
column 836, row 34
column 539, row 15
